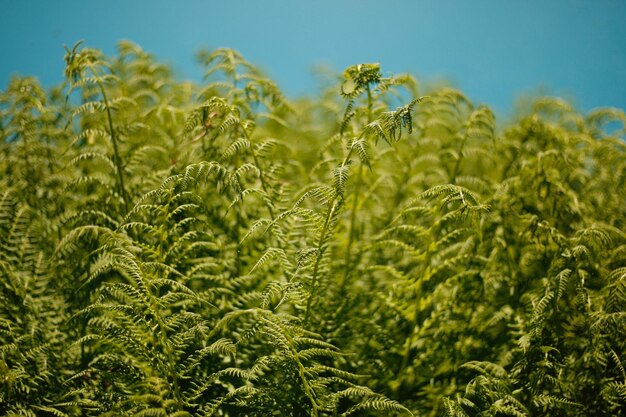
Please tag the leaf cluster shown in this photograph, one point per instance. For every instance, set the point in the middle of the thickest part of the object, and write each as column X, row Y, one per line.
column 171, row 249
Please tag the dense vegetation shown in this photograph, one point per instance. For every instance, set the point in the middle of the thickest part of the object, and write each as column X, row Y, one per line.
column 168, row 249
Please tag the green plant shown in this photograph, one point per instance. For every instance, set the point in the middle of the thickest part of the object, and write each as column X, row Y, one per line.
column 168, row 249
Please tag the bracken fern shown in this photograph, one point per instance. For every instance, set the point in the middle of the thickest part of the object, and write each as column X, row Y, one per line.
column 172, row 249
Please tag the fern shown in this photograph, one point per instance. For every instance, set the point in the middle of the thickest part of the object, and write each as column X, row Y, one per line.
column 172, row 249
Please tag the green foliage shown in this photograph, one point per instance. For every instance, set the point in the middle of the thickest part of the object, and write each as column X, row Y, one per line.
column 168, row 249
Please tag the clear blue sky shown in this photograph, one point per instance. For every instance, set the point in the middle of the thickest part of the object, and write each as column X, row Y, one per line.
column 494, row 50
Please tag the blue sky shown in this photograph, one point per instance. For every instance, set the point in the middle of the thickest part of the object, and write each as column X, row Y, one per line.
column 493, row 50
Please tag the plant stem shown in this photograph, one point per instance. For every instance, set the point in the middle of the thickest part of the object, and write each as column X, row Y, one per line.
column 357, row 193
column 118, row 159
column 332, row 207
column 320, row 243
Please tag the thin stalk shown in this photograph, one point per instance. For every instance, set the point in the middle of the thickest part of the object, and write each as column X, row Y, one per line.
column 357, row 194
column 118, row 160
column 306, row 385
column 318, row 259
column 329, row 215
column 238, row 222
column 351, row 230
